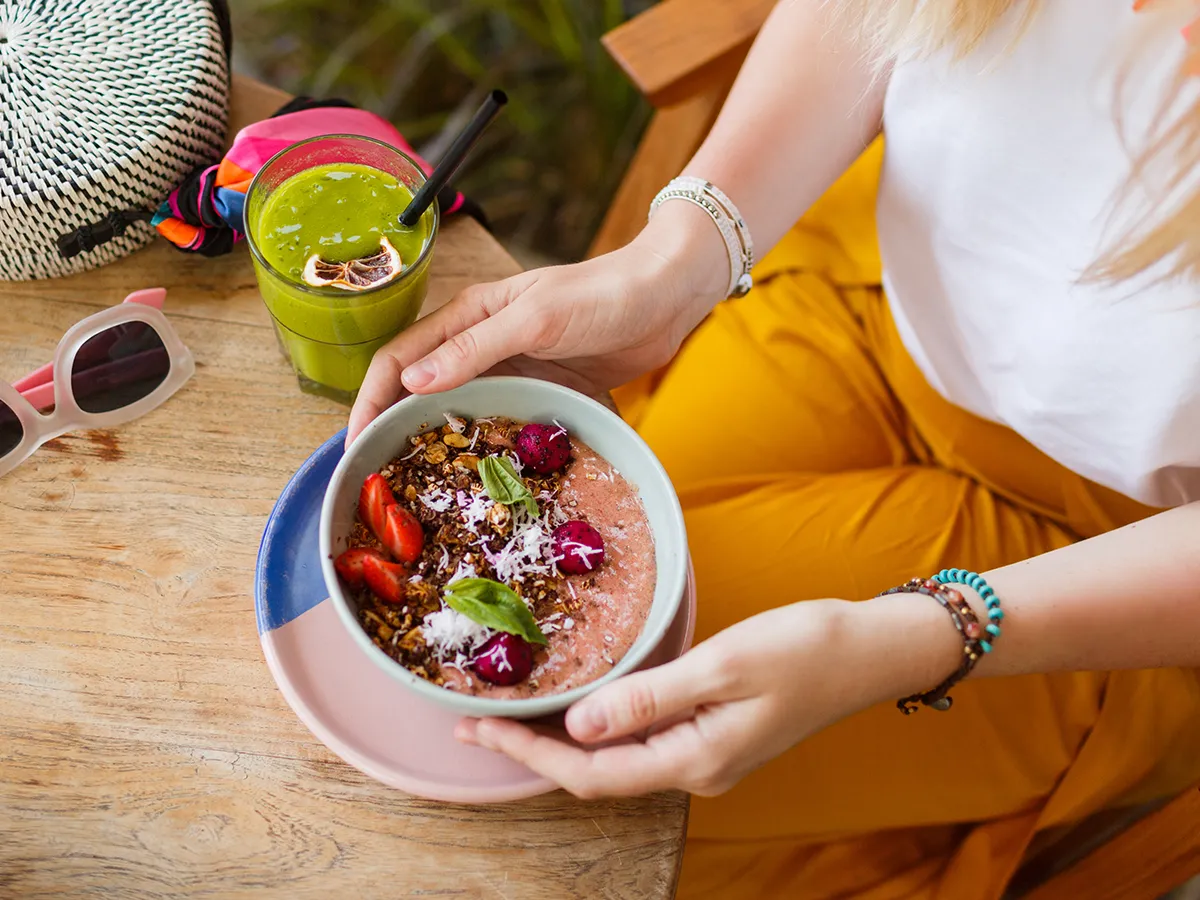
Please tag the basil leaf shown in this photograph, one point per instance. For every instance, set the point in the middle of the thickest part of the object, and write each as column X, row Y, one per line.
column 503, row 484
column 493, row 605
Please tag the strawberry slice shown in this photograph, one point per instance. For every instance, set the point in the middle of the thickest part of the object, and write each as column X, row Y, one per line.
column 387, row 581
column 403, row 535
column 373, row 502
column 349, row 565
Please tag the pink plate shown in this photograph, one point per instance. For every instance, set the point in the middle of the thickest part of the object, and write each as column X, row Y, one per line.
column 356, row 710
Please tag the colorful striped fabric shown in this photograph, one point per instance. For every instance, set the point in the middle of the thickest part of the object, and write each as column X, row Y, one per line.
column 204, row 214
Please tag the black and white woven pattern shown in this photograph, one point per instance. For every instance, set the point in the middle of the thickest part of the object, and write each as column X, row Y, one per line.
column 104, row 105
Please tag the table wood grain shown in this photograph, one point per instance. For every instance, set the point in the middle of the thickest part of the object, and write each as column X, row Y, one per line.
column 145, row 751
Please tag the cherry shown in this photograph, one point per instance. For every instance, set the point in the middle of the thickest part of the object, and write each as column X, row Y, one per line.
column 543, row 448
column 580, row 547
column 505, row 659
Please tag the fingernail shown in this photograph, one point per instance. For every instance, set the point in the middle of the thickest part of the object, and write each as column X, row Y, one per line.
column 596, row 719
column 465, row 732
column 419, row 374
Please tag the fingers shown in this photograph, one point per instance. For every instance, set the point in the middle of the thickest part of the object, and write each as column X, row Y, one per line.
column 471, row 352
column 622, row 771
column 636, row 702
column 387, row 377
column 442, row 351
column 380, row 389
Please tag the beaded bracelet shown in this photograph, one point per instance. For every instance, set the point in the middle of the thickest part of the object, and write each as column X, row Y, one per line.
column 979, row 584
column 967, row 624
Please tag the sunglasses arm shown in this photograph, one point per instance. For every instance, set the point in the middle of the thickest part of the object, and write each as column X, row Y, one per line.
column 38, row 387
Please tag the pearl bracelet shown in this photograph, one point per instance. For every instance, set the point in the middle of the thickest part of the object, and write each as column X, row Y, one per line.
column 728, row 220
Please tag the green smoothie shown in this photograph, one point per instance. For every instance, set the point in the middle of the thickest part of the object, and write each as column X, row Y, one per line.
column 338, row 212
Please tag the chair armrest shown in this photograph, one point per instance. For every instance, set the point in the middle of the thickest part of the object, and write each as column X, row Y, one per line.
column 673, row 50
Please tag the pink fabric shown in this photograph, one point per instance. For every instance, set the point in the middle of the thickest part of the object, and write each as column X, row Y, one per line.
column 258, row 142
column 199, row 188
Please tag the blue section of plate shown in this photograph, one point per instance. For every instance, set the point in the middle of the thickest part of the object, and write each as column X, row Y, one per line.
column 287, row 579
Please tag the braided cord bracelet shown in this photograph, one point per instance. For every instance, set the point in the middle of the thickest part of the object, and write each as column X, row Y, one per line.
column 974, row 633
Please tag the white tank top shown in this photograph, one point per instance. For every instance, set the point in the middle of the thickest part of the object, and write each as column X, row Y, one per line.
column 998, row 191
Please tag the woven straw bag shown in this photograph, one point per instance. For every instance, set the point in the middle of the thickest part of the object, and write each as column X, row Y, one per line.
column 105, row 105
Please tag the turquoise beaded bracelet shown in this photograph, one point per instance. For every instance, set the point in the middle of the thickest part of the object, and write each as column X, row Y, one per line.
column 979, row 585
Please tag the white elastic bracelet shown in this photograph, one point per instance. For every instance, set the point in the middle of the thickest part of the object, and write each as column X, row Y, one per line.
column 720, row 196
column 728, row 221
column 720, row 219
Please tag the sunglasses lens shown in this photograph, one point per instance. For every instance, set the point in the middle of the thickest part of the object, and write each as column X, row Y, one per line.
column 11, row 430
column 119, row 366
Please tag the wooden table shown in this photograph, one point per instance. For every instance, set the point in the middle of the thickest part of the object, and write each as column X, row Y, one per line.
column 144, row 748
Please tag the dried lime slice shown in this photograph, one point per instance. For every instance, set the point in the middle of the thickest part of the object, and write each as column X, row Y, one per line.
column 358, row 274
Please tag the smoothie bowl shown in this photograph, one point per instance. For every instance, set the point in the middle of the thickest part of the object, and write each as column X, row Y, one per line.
column 504, row 548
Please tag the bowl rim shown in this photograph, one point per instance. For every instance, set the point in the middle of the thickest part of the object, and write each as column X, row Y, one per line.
column 529, row 707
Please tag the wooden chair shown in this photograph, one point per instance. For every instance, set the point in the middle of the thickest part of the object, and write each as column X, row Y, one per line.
column 683, row 56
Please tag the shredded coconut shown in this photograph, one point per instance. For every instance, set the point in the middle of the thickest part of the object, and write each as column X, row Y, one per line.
column 474, row 438
column 583, row 551
column 464, row 570
column 437, row 500
column 474, row 509
column 528, row 552
column 550, row 624
column 417, row 450
column 499, row 655
column 451, row 636
column 457, row 425
column 558, row 425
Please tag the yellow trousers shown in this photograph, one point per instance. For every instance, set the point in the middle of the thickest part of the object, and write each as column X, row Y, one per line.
column 809, row 451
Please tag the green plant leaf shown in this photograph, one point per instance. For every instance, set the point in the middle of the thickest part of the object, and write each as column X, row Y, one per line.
column 503, row 484
column 565, row 39
column 493, row 605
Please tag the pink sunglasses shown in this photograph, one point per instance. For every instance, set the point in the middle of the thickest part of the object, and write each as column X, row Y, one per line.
column 108, row 369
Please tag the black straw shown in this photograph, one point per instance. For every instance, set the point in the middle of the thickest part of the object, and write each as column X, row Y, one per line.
column 453, row 159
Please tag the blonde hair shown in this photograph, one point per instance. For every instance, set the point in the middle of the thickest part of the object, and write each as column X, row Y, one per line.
column 890, row 27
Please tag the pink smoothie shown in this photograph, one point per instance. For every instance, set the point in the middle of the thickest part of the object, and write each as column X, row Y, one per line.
column 613, row 601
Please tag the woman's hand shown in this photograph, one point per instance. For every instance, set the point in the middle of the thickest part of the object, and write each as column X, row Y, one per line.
column 739, row 699
column 592, row 326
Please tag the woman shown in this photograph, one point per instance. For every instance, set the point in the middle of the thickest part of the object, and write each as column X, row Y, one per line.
column 1024, row 378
